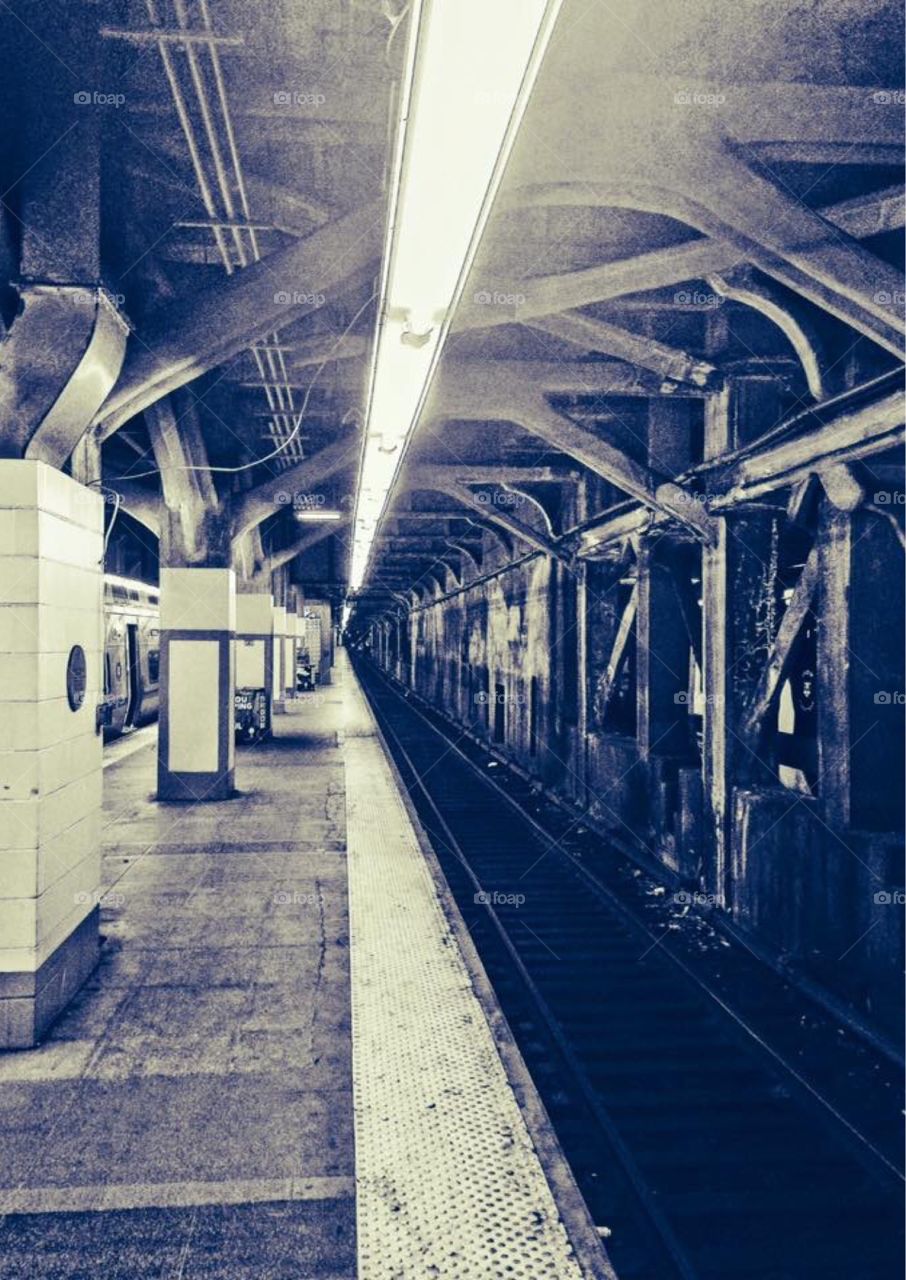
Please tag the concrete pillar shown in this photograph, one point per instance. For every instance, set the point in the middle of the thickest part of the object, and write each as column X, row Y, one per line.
column 739, row 619
column 51, row 609
column 279, row 634
column 255, row 644
column 196, row 749
column 860, row 672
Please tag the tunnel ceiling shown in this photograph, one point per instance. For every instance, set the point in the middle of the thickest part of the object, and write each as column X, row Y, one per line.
column 668, row 216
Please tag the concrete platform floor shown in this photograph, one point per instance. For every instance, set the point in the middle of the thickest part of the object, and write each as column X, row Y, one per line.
column 199, row 1091
column 204, row 1111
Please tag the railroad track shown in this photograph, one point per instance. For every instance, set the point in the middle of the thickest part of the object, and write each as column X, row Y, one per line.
column 700, row 1149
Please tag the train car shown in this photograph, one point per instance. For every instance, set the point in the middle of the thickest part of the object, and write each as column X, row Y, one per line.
column 131, row 654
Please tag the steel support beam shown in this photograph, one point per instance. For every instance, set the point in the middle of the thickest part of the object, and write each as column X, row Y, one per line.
column 502, row 391
column 194, row 529
column 249, row 509
column 515, row 528
column 199, row 332
column 851, row 434
column 591, row 334
column 859, row 217
column 311, row 538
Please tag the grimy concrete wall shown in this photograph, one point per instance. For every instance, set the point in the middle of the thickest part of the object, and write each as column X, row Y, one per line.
column 520, row 660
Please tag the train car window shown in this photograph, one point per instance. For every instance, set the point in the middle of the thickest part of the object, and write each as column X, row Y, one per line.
column 154, row 665
column 108, row 674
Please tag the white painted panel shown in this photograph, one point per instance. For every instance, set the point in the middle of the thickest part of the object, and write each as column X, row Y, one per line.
column 193, row 705
column 289, row 662
column 249, row 664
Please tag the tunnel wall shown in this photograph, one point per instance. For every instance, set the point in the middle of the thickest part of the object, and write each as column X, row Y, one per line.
column 518, row 660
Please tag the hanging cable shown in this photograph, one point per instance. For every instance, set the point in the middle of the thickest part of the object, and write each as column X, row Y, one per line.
column 117, row 503
column 297, row 425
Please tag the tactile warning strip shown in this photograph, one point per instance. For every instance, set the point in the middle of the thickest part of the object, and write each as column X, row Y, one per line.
column 448, row 1182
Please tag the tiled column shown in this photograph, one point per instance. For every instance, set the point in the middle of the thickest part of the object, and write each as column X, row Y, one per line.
column 51, row 596
column 255, row 644
column 279, row 633
column 289, row 655
column 196, row 748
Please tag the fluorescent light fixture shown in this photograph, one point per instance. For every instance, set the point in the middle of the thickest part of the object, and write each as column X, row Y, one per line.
column 317, row 514
column 470, row 66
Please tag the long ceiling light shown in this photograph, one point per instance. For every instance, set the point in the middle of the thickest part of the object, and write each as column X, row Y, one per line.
column 470, row 66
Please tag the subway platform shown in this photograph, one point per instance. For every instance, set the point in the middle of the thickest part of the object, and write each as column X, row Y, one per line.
column 288, row 1063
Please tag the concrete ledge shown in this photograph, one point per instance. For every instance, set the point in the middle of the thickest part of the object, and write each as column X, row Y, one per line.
column 30, row 1001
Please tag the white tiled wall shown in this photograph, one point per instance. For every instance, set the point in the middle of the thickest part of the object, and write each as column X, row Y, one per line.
column 51, row 593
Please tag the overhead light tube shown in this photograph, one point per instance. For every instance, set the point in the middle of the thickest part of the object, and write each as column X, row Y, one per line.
column 470, row 66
